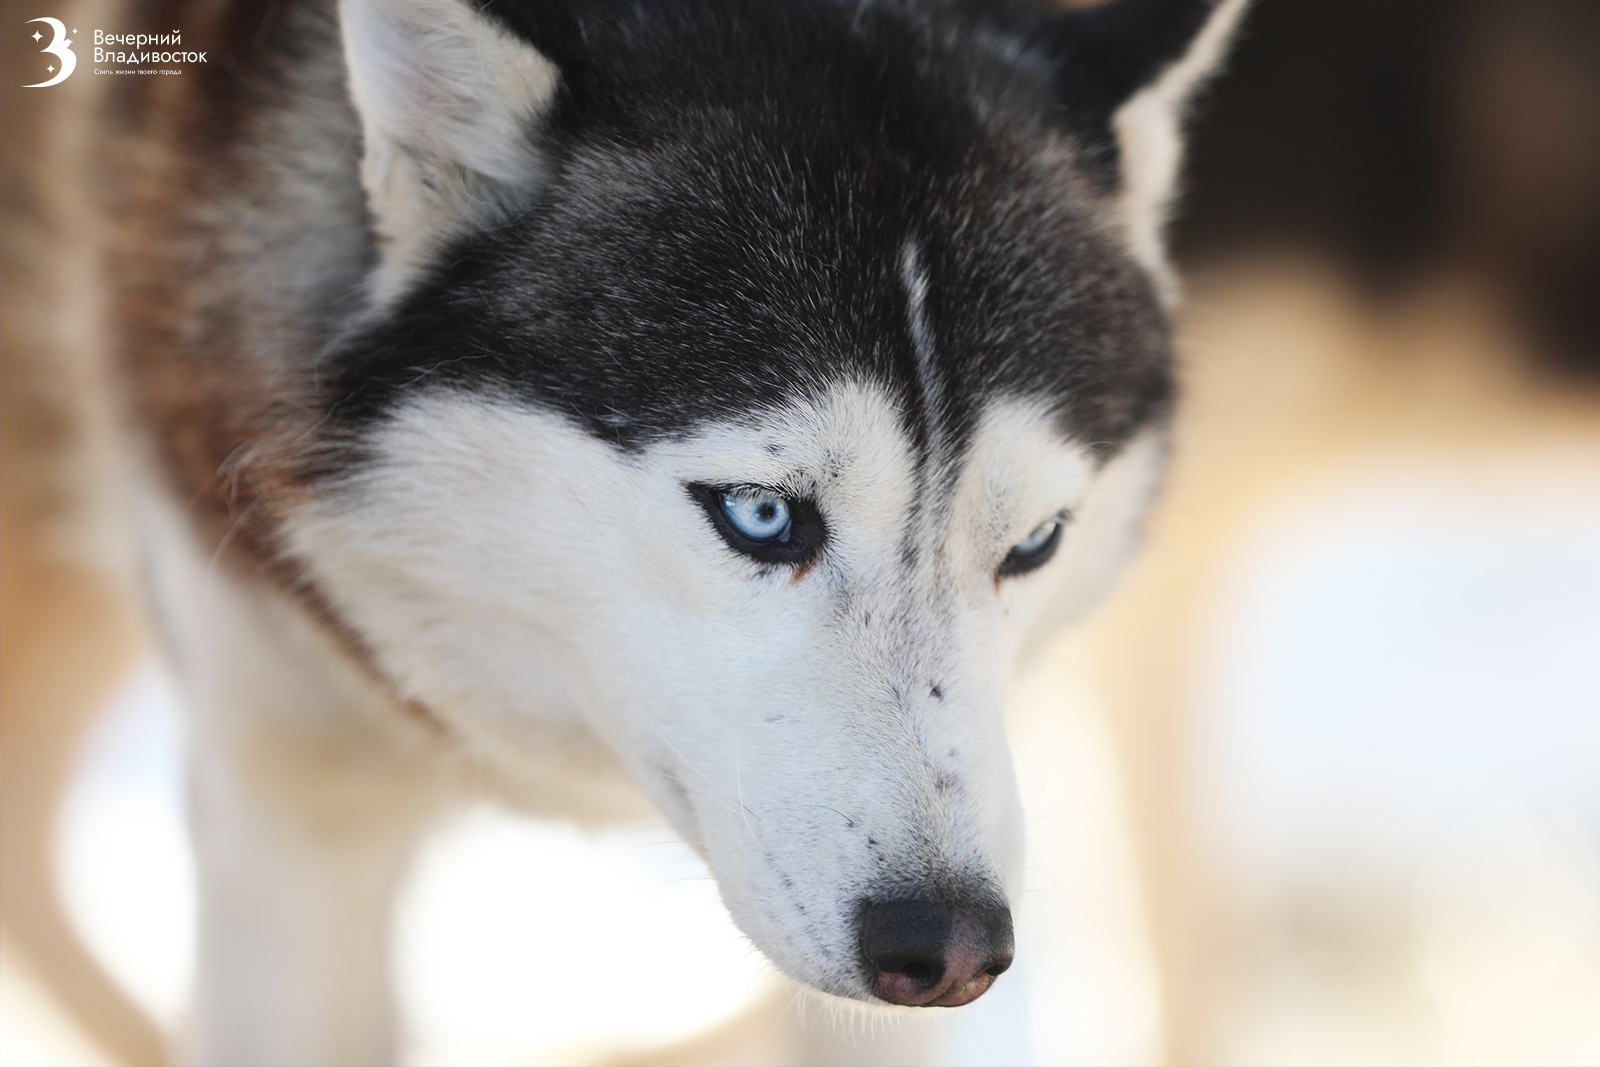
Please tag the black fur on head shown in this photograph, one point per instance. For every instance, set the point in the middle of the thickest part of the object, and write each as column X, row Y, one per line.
column 733, row 197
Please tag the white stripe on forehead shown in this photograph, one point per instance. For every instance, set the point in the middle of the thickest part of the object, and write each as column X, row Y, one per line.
column 915, row 280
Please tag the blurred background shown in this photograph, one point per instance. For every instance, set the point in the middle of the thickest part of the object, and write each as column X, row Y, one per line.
column 1370, row 732
column 1320, row 785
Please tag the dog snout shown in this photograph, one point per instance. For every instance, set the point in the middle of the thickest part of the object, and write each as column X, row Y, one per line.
column 930, row 954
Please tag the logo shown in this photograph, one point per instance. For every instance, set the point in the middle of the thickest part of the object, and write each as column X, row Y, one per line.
column 60, row 46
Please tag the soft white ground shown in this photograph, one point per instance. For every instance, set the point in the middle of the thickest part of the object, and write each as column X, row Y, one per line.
column 1401, row 767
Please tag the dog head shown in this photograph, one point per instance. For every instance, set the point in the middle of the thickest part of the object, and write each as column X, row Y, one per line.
column 744, row 384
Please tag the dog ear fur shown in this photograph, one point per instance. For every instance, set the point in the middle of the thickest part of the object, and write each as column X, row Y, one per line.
column 447, row 100
column 1125, row 73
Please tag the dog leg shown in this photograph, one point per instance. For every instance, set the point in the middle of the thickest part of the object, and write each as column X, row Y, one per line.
column 304, row 809
column 308, row 788
column 295, row 913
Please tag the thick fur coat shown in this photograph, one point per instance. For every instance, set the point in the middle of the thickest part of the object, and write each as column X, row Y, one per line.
column 707, row 401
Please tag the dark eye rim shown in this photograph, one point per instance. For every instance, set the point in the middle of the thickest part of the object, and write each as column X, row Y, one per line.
column 807, row 532
column 1019, row 563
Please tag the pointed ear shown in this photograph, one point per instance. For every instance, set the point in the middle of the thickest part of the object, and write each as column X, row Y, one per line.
column 1125, row 72
column 449, row 102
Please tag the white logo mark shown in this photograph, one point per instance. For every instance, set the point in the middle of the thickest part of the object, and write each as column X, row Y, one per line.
column 61, row 48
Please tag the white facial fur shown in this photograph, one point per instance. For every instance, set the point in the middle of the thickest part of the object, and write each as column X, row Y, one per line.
column 819, row 739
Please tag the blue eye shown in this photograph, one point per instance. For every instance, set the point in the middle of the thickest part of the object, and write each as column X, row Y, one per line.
column 1035, row 541
column 766, row 525
column 757, row 516
column 1035, row 550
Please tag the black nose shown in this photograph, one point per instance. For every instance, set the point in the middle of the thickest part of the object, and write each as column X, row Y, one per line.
column 931, row 954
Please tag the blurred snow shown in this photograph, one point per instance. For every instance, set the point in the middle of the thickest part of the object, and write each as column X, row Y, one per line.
column 1400, row 772
column 1405, row 654
column 514, row 936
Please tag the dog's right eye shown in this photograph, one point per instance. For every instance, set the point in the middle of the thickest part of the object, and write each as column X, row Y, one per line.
column 763, row 524
column 1035, row 550
column 758, row 517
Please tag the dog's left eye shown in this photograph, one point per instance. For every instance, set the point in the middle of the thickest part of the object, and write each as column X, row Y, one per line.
column 763, row 524
column 1035, row 550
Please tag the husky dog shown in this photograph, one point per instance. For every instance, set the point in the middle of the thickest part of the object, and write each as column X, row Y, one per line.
column 706, row 399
